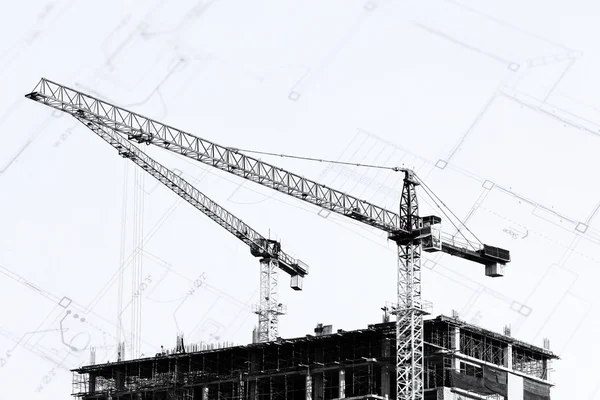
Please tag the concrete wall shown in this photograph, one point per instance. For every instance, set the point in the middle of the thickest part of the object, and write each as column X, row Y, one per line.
column 515, row 387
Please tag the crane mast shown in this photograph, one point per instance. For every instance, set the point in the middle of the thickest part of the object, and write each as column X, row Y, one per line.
column 272, row 258
column 409, row 326
column 412, row 233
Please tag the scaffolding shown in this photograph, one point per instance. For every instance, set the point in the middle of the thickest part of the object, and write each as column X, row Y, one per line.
column 530, row 363
column 483, row 347
column 354, row 365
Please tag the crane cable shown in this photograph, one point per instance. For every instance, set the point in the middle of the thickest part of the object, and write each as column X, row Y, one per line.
column 427, row 190
column 396, row 169
column 431, row 194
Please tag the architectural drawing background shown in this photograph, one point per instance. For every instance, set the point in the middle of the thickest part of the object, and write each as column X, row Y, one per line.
column 495, row 105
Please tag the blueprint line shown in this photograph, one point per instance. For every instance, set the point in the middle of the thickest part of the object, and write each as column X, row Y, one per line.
column 559, row 80
column 462, row 44
column 506, row 24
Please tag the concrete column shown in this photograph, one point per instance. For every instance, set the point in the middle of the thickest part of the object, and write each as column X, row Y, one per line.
column 120, row 379
column 318, row 386
column 445, row 394
column 92, row 384
column 308, row 387
column 255, row 366
column 317, row 378
column 386, row 351
column 455, row 341
column 342, row 392
column 241, row 387
column 178, row 372
column 514, row 387
column 252, row 389
column 508, row 359
column 455, row 338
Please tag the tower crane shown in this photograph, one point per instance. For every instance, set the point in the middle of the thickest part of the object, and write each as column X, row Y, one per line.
column 411, row 232
column 269, row 251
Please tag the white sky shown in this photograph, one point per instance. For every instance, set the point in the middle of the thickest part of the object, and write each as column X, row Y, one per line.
column 494, row 104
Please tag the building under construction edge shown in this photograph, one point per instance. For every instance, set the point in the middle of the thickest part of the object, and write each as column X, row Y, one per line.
column 462, row 361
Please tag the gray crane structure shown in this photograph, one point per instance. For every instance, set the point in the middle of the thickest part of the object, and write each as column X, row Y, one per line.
column 411, row 232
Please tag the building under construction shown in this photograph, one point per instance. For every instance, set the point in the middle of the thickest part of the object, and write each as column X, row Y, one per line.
column 462, row 361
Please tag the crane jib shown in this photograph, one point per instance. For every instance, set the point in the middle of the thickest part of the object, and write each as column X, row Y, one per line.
column 149, row 131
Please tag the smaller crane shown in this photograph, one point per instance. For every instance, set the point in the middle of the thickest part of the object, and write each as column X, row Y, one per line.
column 269, row 251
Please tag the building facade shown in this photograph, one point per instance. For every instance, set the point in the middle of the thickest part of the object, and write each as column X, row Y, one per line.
column 462, row 361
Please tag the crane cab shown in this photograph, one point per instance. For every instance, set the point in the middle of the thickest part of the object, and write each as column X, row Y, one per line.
column 432, row 238
column 432, row 242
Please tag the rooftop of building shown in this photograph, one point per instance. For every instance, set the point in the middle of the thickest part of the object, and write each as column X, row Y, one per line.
column 385, row 328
